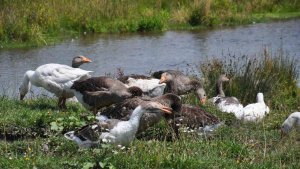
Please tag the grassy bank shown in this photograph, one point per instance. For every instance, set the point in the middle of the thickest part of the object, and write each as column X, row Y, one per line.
column 32, row 131
column 33, row 23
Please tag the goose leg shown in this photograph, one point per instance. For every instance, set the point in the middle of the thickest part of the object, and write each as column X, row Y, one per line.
column 175, row 127
column 64, row 107
column 95, row 110
column 62, row 103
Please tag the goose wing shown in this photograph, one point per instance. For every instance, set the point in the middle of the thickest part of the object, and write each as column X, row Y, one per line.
column 59, row 76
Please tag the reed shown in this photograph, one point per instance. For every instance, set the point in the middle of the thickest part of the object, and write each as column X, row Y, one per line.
column 35, row 22
column 275, row 75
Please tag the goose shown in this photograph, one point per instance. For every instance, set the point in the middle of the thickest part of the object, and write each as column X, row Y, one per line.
column 124, row 109
column 255, row 111
column 56, row 78
column 97, row 92
column 180, row 84
column 289, row 123
column 183, row 114
column 114, row 131
column 226, row 104
column 194, row 117
column 149, row 85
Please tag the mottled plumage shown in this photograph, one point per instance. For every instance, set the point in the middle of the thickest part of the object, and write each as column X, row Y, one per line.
column 114, row 131
column 226, row 104
column 97, row 92
column 180, row 84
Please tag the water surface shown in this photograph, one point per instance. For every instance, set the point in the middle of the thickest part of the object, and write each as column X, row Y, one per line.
column 142, row 53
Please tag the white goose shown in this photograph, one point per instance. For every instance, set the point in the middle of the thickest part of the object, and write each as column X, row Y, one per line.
column 112, row 130
column 290, row 122
column 226, row 104
column 150, row 86
column 255, row 111
column 56, row 78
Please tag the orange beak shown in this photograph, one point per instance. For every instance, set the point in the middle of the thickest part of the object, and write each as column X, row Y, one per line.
column 167, row 110
column 163, row 79
column 86, row 60
column 203, row 101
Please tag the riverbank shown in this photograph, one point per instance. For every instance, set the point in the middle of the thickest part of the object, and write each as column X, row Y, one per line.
column 37, row 23
column 32, row 130
column 35, row 139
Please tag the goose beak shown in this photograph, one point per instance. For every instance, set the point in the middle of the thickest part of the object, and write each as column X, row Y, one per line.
column 69, row 135
column 86, row 60
column 163, row 79
column 167, row 110
column 203, row 101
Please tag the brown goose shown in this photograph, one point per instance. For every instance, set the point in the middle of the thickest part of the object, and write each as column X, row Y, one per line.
column 56, row 78
column 195, row 117
column 97, row 92
column 190, row 116
column 115, row 131
column 124, row 109
column 180, row 84
column 149, row 85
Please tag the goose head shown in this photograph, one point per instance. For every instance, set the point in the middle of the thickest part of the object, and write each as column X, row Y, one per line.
column 135, row 91
column 288, row 124
column 260, row 98
column 26, row 84
column 222, row 78
column 285, row 129
column 170, row 100
column 79, row 60
column 165, row 78
column 155, row 107
column 201, row 94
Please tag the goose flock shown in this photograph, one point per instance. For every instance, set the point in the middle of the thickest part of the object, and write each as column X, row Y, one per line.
column 128, row 105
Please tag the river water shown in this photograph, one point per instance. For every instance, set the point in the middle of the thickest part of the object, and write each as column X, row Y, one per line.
column 142, row 53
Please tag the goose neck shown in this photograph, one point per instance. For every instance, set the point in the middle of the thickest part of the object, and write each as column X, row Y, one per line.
column 219, row 88
column 136, row 115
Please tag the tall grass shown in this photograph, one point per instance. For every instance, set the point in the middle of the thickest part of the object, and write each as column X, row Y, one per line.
column 275, row 75
column 40, row 22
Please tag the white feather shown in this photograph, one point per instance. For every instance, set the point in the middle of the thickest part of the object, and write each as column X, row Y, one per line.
column 255, row 111
column 55, row 78
column 150, row 86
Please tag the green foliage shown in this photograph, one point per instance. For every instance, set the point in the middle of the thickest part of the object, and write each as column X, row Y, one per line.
column 35, row 23
column 147, row 24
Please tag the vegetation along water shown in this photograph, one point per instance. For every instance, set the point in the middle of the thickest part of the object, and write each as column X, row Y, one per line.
column 43, row 22
column 32, row 131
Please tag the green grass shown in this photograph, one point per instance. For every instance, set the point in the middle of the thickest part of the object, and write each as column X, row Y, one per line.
column 25, row 23
column 32, row 131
